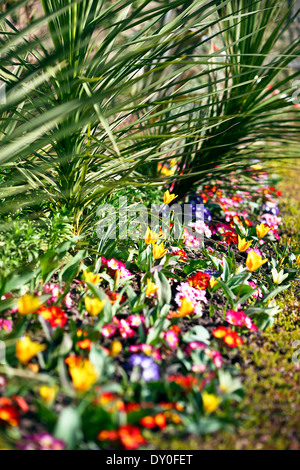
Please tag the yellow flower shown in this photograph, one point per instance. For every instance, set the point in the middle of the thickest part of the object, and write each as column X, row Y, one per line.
column 94, row 306
column 254, row 261
column 27, row 349
column 82, row 372
column 210, row 402
column 151, row 287
column 262, row 230
column 28, row 304
column 298, row 260
column 150, row 237
column 243, row 245
column 169, row 197
column 47, row 393
column 91, row 277
column 159, row 251
column 115, row 348
column 185, row 308
column 212, row 282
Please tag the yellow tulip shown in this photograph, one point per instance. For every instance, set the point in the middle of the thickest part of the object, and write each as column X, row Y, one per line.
column 94, row 306
column 254, row 261
column 159, row 251
column 151, row 287
column 28, row 304
column 212, row 282
column 82, row 372
column 115, row 348
column 243, row 245
column 210, row 402
column 185, row 308
column 91, row 277
column 262, row 230
column 169, row 197
column 150, row 237
column 47, row 393
column 27, row 349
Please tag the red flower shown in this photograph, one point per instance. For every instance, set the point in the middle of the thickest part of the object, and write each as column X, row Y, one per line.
column 9, row 413
column 182, row 254
column 231, row 338
column 229, row 237
column 54, row 315
column 199, row 280
column 131, row 437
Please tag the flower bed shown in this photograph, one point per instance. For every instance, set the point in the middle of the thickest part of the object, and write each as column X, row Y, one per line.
column 101, row 351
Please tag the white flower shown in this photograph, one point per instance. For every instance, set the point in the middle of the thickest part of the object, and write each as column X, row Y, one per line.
column 278, row 277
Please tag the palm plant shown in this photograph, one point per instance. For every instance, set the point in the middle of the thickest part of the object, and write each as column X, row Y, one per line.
column 99, row 92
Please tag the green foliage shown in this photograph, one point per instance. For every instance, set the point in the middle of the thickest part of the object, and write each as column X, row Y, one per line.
column 99, row 92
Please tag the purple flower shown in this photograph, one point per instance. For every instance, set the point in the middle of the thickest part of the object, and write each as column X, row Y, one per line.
column 149, row 368
column 41, row 441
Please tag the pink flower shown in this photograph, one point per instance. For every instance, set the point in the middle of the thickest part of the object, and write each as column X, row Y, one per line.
column 125, row 330
column 235, row 318
column 240, row 319
column 195, row 345
column 5, row 325
column 135, row 320
column 258, row 291
column 171, row 338
column 108, row 330
column 68, row 300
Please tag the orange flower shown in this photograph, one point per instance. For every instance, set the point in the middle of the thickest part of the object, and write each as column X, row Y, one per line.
column 85, row 344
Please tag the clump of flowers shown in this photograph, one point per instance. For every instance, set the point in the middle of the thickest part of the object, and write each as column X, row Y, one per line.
column 239, row 318
column 192, row 295
column 41, row 441
column 129, row 436
column 199, row 280
column 231, row 338
column 114, row 265
column 54, row 315
column 54, row 290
